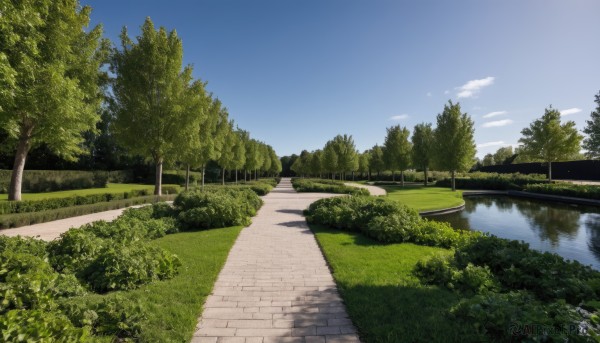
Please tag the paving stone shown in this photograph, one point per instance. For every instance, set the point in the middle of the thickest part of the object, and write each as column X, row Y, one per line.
column 276, row 285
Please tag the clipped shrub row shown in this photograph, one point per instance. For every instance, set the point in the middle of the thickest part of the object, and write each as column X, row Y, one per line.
column 566, row 189
column 384, row 220
column 25, row 206
column 38, row 181
column 493, row 181
column 22, row 219
column 326, row 186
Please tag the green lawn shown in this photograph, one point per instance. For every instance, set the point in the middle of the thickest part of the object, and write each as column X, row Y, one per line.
column 112, row 188
column 385, row 301
column 424, row 198
column 173, row 306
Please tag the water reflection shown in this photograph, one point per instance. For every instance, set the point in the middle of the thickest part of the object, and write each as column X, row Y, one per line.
column 570, row 231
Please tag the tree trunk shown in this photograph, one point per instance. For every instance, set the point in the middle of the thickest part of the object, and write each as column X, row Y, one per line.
column 203, row 172
column 158, row 175
column 550, row 171
column 352, row 176
column 16, row 180
column 426, row 176
column 255, row 174
column 223, row 177
column 245, row 174
column 453, row 181
column 236, row 172
column 393, row 176
column 402, row 178
column 187, row 178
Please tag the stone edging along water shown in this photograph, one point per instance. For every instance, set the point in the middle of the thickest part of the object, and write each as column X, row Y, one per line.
column 519, row 194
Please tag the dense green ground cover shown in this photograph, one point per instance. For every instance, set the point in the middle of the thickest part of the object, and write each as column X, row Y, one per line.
column 566, row 189
column 424, row 198
column 112, row 188
column 326, row 186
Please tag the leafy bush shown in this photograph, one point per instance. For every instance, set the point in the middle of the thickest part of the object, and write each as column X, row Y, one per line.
column 350, row 213
column 76, row 249
column 23, row 245
column 493, row 181
column 216, row 208
column 128, row 267
column 395, row 228
column 566, row 189
column 509, row 317
column 22, row 219
column 40, row 326
column 326, row 186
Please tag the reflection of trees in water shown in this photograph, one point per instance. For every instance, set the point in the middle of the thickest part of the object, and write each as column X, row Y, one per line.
column 500, row 203
column 593, row 231
column 458, row 220
column 550, row 221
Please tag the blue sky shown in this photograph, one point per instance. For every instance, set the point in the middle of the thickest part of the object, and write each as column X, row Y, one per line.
column 296, row 73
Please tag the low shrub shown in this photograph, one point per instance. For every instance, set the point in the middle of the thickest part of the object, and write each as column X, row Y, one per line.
column 326, row 186
column 493, row 181
column 566, row 189
column 75, row 250
column 23, row 219
column 40, row 326
column 25, row 245
column 127, row 267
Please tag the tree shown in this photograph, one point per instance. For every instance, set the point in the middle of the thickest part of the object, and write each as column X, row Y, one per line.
column 376, row 161
column 397, row 150
column 330, row 159
column 488, row 160
column 51, row 78
column 549, row 140
column 316, row 166
column 346, row 154
column 592, row 129
column 454, row 143
column 239, row 152
column 275, row 162
column 150, row 91
column 227, row 155
column 253, row 160
column 422, row 149
column 363, row 164
column 503, row 155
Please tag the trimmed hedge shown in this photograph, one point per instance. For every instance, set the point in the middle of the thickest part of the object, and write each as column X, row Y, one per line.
column 566, row 189
column 326, row 186
column 493, row 181
column 39, row 181
column 22, row 219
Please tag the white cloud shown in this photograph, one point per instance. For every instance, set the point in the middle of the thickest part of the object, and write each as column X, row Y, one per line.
column 498, row 123
column 494, row 114
column 400, row 117
column 446, row 92
column 485, row 145
column 429, row 94
column 471, row 88
column 570, row 111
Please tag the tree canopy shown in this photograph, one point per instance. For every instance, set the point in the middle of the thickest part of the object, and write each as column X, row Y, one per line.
column 422, row 147
column 592, row 129
column 397, row 149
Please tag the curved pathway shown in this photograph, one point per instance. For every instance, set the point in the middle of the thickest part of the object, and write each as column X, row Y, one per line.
column 276, row 285
column 374, row 190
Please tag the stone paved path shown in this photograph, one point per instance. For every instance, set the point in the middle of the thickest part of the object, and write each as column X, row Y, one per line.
column 276, row 285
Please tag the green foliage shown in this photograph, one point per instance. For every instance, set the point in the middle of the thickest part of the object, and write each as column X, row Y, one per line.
column 566, row 189
column 220, row 207
column 127, row 267
column 494, row 181
column 592, row 130
column 548, row 140
column 22, row 219
column 326, row 186
column 376, row 161
column 40, row 326
column 23, row 245
column 396, row 227
column 397, row 148
column 75, row 250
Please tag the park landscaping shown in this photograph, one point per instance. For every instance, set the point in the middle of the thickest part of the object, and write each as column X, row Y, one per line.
column 423, row 198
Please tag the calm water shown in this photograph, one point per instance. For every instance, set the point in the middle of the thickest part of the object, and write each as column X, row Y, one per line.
column 571, row 231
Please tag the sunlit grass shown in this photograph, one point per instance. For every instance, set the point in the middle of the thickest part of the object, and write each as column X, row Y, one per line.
column 424, row 198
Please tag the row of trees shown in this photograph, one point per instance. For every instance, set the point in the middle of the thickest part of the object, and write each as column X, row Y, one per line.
column 450, row 146
column 55, row 85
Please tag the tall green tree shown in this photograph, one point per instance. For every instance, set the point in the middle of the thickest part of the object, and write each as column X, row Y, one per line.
column 330, row 159
column 316, row 166
column 275, row 162
column 454, row 141
column 253, row 158
column 50, row 72
column 363, row 164
column 503, row 155
column 549, row 140
column 227, row 153
column 397, row 150
column 345, row 151
column 592, row 142
column 150, row 90
column 239, row 152
column 422, row 148
column 377, row 162
column 488, row 160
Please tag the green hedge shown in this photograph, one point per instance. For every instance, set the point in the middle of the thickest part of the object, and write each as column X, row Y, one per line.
column 493, row 181
column 326, row 186
column 39, row 181
column 23, row 219
column 567, row 190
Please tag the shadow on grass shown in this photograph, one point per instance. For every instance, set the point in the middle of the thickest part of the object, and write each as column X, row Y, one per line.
column 299, row 212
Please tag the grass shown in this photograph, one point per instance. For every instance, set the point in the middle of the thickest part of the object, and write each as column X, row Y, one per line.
column 385, row 301
column 424, row 198
column 173, row 306
column 111, row 188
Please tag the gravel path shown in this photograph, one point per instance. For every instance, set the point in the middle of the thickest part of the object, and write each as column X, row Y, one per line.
column 276, row 285
column 51, row 230
column 374, row 190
